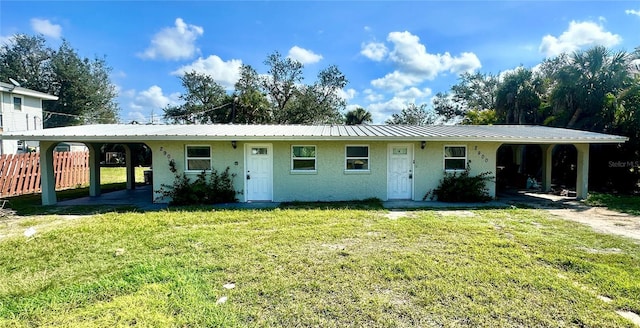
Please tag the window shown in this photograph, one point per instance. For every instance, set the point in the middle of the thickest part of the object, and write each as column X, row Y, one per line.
column 357, row 158
column 198, row 158
column 455, row 158
column 17, row 103
column 303, row 158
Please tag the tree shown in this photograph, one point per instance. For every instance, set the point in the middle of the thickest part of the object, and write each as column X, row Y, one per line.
column 518, row 97
column 358, row 116
column 472, row 92
column 86, row 94
column 26, row 59
column 412, row 115
column 319, row 103
column 480, row 117
column 281, row 82
column 252, row 105
column 205, row 102
column 580, row 84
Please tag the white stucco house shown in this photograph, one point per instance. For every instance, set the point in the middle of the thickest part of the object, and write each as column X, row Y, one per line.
column 20, row 110
column 317, row 163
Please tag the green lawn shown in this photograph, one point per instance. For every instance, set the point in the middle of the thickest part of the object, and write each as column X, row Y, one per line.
column 311, row 267
column 621, row 203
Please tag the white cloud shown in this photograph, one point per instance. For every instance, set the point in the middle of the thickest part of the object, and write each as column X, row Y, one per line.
column 382, row 110
column 46, row 28
column 415, row 64
column 174, row 43
column 632, row 12
column 147, row 103
column 414, row 94
column 579, row 35
column 374, row 51
column 373, row 96
column 347, row 94
column 303, row 56
column 226, row 73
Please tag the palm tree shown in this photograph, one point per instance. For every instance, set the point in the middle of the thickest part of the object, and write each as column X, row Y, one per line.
column 582, row 83
column 358, row 116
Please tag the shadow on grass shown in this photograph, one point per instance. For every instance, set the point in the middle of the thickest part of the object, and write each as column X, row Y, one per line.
column 365, row 204
column 25, row 205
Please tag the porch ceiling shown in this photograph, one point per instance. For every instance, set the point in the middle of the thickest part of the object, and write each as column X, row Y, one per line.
column 524, row 134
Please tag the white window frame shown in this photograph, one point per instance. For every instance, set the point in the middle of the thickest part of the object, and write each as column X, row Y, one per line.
column 347, row 158
column 445, row 158
column 315, row 160
column 13, row 103
column 187, row 158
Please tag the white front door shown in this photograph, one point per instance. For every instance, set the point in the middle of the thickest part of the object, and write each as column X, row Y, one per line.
column 259, row 172
column 400, row 172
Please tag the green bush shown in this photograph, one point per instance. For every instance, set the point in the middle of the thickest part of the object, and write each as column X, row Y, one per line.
column 214, row 189
column 460, row 187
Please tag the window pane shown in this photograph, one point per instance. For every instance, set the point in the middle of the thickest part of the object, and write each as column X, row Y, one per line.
column 357, row 164
column 304, row 164
column 198, row 164
column 400, row 151
column 454, row 164
column 17, row 103
column 259, row 151
column 454, row 152
column 304, row 151
column 198, row 151
column 358, row 151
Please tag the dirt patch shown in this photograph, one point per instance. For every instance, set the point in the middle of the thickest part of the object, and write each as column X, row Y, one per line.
column 11, row 226
column 602, row 220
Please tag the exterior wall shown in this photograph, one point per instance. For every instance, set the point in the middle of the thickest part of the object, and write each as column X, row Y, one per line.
column 16, row 120
column 330, row 182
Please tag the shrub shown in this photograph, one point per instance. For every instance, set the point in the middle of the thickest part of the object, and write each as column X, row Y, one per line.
column 214, row 189
column 462, row 187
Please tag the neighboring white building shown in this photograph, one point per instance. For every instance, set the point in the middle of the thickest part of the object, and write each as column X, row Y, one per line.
column 20, row 109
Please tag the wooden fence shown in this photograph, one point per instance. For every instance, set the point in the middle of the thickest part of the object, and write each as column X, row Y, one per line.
column 20, row 173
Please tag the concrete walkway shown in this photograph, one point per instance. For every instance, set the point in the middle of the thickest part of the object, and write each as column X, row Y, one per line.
column 142, row 198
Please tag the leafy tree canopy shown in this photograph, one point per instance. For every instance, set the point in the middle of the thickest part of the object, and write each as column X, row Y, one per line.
column 86, row 94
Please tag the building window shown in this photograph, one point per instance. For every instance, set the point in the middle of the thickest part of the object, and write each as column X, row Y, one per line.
column 17, row 103
column 198, row 158
column 455, row 158
column 357, row 158
column 303, row 158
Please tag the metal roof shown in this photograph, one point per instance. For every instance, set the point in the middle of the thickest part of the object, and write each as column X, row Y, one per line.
column 142, row 133
column 6, row 87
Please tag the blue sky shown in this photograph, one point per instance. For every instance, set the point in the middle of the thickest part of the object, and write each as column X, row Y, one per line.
column 392, row 53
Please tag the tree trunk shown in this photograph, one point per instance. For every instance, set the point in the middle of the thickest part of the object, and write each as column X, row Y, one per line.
column 574, row 118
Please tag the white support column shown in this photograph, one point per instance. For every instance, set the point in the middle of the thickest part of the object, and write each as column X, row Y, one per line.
column 547, row 164
column 130, row 169
column 47, row 174
column 582, row 171
column 94, row 169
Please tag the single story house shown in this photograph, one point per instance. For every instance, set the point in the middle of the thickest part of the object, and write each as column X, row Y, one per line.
column 317, row 163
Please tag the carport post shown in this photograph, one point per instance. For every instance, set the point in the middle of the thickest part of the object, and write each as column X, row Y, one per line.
column 582, row 171
column 94, row 169
column 547, row 164
column 131, row 170
column 47, row 174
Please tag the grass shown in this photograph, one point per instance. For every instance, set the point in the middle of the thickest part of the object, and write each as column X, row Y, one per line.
column 621, row 203
column 318, row 267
